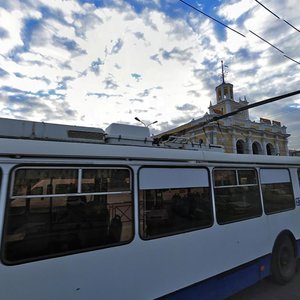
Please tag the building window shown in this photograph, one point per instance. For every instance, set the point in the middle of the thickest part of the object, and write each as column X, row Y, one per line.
column 240, row 147
column 256, row 148
column 237, row 195
column 53, row 211
column 173, row 201
column 277, row 190
column 270, row 149
column 225, row 93
column 219, row 95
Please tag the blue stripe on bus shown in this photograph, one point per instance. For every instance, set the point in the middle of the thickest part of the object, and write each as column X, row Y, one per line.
column 227, row 283
column 298, row 248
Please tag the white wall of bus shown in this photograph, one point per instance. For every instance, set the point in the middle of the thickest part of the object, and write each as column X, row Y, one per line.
column 153, row 267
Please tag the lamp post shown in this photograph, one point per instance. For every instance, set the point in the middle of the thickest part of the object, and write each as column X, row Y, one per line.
column 146, row 125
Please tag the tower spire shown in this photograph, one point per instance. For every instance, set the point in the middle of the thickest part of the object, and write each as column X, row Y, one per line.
column 224, row 91
column 223, row 73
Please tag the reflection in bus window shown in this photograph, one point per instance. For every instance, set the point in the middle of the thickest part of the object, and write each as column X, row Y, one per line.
column 169, row 211
column 247, row 177
column 174, row 200
column 105, row 180
column 38, row 226
column 45, row 181
column 277, row 190
column 224, row 177
column 238, row 199
column 278, row 197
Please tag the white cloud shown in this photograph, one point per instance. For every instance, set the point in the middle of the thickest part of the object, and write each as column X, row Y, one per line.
column 177, row 59
column 233, row 11
column 12, row 23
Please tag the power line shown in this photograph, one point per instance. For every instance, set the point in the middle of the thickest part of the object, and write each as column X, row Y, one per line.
column 291, row 25
column 291, row 59
column 267, row 9
column 203, row 13
column 259, row 103
column 266, row 42
column 236, row 31
column 246, row 107
column 270, row 11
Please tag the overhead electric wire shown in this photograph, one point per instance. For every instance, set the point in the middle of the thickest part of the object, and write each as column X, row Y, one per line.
column 259, row 103
column 291, row 59
column 267, row 9
column 291, row 25
column 270, row 11
column 266, row 41
column 236, row 31
column 210, row 17
column 246, row 107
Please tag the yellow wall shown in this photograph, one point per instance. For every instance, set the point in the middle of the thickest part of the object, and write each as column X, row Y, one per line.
column 225, row 139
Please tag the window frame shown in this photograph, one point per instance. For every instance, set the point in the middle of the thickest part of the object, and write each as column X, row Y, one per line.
column 292, row 189
column 181, row 231
column 11, row 179
column 79, row 183
column 238, row 184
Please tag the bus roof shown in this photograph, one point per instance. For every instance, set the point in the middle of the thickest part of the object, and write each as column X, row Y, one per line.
column 49, row 149
column 37, row 139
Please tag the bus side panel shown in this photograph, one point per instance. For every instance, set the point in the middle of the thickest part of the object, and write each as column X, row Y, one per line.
column 147, row 269
column 139, row 270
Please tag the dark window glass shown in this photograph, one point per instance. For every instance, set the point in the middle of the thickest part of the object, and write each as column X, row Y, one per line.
column 278, row 197
column 224, row 177
column 237, row 203
column 247, row 177
column 240, row 147
column 169, row 211
column 105, row 180
column 45, row 181
column 37, row 227
column 236, row 200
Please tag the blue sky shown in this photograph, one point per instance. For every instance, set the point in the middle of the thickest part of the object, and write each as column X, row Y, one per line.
column 94, row 62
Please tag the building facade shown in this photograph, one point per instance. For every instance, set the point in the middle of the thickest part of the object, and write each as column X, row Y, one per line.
column 236, row 133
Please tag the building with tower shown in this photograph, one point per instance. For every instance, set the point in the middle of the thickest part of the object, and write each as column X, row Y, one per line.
column 237, row 133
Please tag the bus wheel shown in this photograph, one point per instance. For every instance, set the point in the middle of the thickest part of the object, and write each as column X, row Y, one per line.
column 283, row 262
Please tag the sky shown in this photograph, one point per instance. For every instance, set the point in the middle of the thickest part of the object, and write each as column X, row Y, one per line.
column 97, row 62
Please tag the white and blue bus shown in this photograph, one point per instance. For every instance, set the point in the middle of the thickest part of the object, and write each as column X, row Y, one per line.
column 88, row 214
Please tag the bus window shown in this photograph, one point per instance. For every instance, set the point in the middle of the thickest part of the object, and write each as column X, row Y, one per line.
column 57, row 211
column 277, row 190
column 45, row 181
column 105, row 180
column 173, row 200
column 236, row 195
